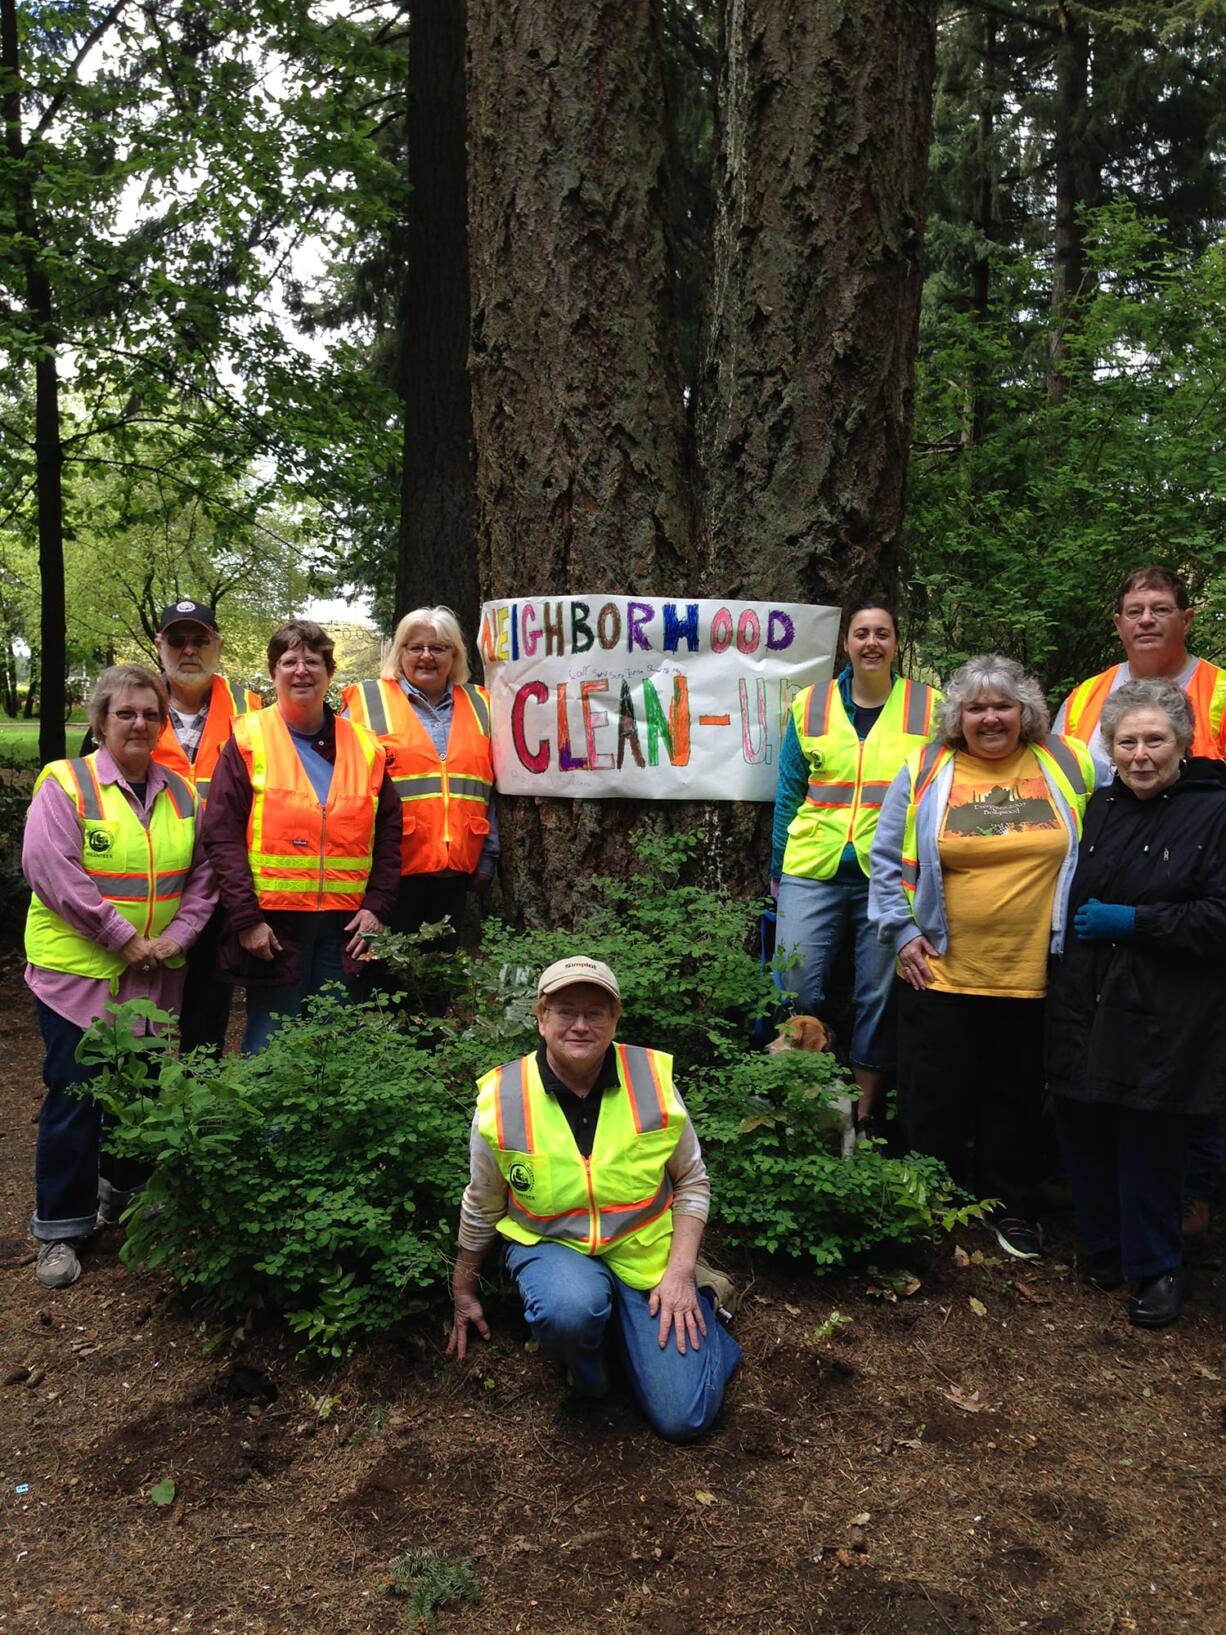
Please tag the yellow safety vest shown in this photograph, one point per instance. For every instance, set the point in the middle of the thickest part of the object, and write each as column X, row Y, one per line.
column 1066, row 760
column 140, row 872
column 848, row 778
column 617, row 1204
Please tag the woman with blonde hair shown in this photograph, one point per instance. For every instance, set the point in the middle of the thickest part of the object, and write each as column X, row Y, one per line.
column 434, row 724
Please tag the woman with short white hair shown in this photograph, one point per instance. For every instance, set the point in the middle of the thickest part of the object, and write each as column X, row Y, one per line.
column 434, row 724
column 969, row 876
column 1136, row 1024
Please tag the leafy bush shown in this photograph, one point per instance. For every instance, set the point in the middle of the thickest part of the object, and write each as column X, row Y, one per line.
column 320, row 1178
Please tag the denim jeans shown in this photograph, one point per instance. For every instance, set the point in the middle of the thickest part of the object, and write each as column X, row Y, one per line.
column 319, row 940
column 1204, row 1156
column 570, row 1300
column 1126, row 1171
column 814, row 919
column 71, row 1173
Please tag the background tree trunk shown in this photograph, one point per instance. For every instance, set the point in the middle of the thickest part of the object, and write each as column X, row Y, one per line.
column 805, row 420
column 577, row 408
column 1075, row 182
column 437, row 558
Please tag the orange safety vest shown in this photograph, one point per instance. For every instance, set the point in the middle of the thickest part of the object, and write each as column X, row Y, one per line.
column 1206, row 693
column 225, row 702
column 303, row 855
column 444, row 802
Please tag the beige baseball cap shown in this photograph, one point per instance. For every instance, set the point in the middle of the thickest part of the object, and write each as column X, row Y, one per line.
column 578, row 968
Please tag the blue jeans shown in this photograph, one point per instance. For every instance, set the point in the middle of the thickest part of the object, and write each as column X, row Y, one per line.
column 815, row 917
column 569, row 1301
column 319, row 940
column 1126, row 1171
column 71, row 1173
column 1204, row 1156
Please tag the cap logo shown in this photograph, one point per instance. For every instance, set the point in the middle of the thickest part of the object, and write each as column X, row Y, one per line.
column 184, row 607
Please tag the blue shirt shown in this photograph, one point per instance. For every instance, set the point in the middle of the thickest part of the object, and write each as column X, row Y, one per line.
column 316, row 768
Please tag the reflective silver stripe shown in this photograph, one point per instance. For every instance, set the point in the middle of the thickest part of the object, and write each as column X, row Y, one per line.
column 91, row 808
column 1068, row 763
column 478, row 788
column 171, row 885
column 376, row 712
column 832, row 794
column 619, row 1223
column 929, row 757
column 238, row 698
column 573, row 1227
column 910, row 873
column 510, row 1093
column 915, row 718
column 815, row 721
column 644, row 1089
column 181, row 792
column 202, row 789
column 409, row 787
column 480, row 708
column 872, row 794
column 131, row 888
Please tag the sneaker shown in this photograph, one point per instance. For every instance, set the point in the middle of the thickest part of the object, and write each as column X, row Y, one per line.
column 721, row 1289
column 58, row 1265
column 1017, row 1237
column 109, row 1213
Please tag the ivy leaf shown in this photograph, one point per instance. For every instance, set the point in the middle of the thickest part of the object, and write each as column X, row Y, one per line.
column 163, row 1492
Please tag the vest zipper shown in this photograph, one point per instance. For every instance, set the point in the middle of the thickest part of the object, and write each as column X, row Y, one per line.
column 323, row 835
column 151, row 900
column 855, row 801
column 442, row 761
column 593, row 1212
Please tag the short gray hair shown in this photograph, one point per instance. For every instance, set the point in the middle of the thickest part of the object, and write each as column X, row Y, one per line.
column 1000, row 674
column 117, row 679
column 1150, row 693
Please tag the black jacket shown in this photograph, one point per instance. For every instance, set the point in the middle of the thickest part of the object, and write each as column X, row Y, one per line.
column 1142, row 1022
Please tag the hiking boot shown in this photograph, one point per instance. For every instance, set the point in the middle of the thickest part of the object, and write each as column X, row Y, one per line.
column 1195, row 1217
column 1102, row 1273
column 58, row 1265
column 1017, row 1237
column 721, row 1288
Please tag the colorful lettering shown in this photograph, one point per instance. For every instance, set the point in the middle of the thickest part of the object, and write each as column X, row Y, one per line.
column 627, row 729
column 529, row 638
column 675, row 628
column 536, row 760
column 554, row 639
column 580, row 627
column 637, row 615
column 598, row 760
column 566, row 761
column 759, row 753
column 609, row 626
column 721, row 631
column 780, row 631
column 748, row 631
column 500, row 643
column 674, row 729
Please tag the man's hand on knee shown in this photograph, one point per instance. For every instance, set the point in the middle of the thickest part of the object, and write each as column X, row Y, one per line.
column 675, row 1300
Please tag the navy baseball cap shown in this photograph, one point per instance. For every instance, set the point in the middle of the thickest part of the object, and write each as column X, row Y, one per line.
column 181, row 612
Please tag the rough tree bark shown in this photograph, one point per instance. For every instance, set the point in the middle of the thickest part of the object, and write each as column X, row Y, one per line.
column 1076, row 182
column 437, row 556
column 48, row 448
column 577, row 408
column 805, row 419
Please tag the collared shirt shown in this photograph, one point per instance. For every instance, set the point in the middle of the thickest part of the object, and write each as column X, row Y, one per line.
column 582, row 1112
column 189, row 729
column 52, row 864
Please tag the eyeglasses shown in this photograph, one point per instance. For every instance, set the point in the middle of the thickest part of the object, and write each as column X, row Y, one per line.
column 183, row 638
column 421, row 650
column 1159, row 610
column 593, row 1018
column 152, row 718
column 295, row 659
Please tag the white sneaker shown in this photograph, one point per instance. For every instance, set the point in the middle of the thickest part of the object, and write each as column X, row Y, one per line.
column 58, row 1265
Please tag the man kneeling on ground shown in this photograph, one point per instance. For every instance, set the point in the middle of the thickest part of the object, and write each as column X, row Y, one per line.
column 583, row 1158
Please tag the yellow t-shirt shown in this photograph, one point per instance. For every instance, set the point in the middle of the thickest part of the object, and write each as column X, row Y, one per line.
column 1002, row 846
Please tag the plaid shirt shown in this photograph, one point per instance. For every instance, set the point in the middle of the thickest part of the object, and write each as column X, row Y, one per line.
column 189, row 733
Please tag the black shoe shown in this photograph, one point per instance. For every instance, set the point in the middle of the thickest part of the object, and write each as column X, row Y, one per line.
column 1017, row 1237
column 1159, row 1300
column 1102, row 1273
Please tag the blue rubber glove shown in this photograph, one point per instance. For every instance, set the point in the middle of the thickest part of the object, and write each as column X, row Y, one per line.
column 1104, row 922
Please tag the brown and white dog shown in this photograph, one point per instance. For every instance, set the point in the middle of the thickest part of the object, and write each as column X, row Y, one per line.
column 809, row 1033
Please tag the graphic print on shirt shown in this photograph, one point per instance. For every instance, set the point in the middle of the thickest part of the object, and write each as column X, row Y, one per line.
column 1022, row 806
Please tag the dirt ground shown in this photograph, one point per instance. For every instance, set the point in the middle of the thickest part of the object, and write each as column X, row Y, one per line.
column 933, row 1469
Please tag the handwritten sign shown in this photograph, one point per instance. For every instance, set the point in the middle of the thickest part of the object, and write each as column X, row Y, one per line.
column 645, row 698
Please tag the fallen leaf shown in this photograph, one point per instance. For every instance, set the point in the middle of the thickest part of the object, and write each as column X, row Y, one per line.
column 862, row 1520
column 968, row 1402
column 961, row 1258
column 794, row 1310
column 977, row 1306
column 704, row 1497
column 1204, row 1373
column 1029, row 1292
column 163, row 1492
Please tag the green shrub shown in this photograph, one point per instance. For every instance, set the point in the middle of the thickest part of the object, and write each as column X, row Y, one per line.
column 320, row 1178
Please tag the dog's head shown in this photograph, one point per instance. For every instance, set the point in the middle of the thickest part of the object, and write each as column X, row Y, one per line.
column 802, row 1033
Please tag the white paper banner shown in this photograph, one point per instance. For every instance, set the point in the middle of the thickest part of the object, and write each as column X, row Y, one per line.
column 645, row 698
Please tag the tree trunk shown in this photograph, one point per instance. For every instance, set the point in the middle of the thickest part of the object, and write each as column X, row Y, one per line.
column 805, row 421
column 48, row 450
column 577, row 410
column 985, row 218
column 1075, row 187
column 437, row 554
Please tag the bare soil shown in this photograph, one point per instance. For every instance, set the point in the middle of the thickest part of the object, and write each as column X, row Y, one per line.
column 927, row 1471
